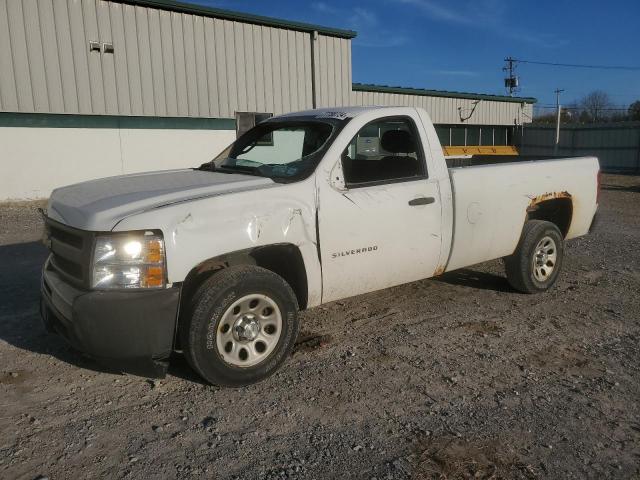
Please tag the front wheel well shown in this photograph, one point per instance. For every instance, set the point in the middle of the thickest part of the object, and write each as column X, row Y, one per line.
column 558, row 211
column 283, row 259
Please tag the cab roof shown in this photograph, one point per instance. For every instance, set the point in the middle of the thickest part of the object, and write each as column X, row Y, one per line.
column 337, row 113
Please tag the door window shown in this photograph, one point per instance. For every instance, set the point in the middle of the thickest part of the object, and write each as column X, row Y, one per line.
column 383, row 151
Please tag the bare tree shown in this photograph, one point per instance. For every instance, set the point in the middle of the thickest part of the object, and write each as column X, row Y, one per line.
column 596, row 105
column 634, row 110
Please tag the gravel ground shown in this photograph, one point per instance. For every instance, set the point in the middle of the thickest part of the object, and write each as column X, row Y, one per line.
column 458, row 377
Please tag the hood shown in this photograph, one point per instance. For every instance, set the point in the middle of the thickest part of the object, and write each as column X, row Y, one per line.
column 98, row 205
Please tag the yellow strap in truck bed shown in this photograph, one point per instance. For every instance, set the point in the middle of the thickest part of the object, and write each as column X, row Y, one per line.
column 482, row 150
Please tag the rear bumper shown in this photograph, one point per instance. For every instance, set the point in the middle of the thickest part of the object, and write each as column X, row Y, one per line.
column 131, row 331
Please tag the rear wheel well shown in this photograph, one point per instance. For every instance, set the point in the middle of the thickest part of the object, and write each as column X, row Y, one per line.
column 558, row 211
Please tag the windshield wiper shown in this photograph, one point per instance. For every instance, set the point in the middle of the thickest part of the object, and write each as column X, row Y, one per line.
column 248, row 170
column 255, row 171
column 211, row 167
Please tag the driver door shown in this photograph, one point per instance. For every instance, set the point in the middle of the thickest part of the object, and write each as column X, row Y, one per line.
column 383, row 228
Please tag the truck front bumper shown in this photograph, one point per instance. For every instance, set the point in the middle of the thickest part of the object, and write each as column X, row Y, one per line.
column 131, row 331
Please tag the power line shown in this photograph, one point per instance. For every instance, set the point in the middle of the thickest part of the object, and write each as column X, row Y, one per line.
column 576, row 65
column 539, row 91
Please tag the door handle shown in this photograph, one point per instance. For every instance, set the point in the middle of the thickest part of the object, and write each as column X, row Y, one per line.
column 421, row 201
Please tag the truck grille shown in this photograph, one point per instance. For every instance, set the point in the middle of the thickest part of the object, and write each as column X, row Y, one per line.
column 66, row 237
column 70, row 251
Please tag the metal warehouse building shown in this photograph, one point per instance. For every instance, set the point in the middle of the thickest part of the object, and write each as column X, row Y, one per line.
column 92, row 88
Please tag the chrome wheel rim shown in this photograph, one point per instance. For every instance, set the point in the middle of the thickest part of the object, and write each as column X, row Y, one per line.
column 249, row 330
column 544, row 259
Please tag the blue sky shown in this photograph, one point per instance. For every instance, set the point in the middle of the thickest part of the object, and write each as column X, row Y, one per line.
column 460, row 44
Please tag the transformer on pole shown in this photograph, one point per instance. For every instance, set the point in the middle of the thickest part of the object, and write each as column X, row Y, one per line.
column 512, row 81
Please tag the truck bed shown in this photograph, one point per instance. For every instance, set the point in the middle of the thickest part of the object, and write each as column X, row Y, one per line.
column 492, row 199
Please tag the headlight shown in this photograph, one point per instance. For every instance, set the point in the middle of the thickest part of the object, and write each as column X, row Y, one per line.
column 129, row 261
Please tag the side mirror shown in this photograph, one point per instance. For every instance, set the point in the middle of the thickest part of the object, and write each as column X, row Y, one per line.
column 336, row 179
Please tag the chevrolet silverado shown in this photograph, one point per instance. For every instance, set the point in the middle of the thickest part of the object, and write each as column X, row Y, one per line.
column 303, row 209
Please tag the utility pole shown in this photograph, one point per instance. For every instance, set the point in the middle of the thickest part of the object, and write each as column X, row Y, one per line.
column 511, row 83
column 557, row 91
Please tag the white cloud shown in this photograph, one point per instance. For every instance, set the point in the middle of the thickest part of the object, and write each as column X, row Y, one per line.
column 371, row 32
column 487, row 15
column 363, row 17
column 323, row 7
column 436, row 11
column 457, row 73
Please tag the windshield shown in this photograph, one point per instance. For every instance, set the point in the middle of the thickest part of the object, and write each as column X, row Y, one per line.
column 280, row 150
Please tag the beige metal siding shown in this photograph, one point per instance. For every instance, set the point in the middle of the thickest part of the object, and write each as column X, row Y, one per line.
column 174, row 64
column 165, row 63
column 452, row 110
column 333, row 71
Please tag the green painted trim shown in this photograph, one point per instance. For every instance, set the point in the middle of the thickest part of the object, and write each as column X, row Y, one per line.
column 240, row 17
column 367, row 87
column 50, row 120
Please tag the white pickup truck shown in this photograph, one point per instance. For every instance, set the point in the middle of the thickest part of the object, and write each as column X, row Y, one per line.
column 305, row 208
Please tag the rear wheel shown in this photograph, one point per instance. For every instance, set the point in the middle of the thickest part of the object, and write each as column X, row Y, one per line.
column 535, row 265
column 242, row 326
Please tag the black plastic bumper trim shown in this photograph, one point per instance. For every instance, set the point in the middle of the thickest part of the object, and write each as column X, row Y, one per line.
column 130, row 331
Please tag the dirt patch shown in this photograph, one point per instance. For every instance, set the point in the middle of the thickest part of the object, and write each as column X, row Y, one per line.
column 483, row 327
column 13, row 378
column 451, row 457
column 21, row 221
column 308, row 342
column 561, row 359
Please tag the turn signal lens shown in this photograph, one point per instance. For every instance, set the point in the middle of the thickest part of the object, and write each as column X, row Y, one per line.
column 153, row 278
column 154, row 251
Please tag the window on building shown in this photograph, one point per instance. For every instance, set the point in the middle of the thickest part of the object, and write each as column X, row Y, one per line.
column 444, row 135
column 474, row 135
column 382, row 151
column 458, row 137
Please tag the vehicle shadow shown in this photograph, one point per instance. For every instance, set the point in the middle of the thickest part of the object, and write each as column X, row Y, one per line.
column 21, row 327
column 473, row 279
column 20, row 323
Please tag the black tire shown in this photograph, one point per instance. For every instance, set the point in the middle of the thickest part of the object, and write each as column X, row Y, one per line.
column 521, row 265
column 205, row 310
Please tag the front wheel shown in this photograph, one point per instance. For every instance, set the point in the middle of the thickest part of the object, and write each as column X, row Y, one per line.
column 535, row 265
column 242, row 326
